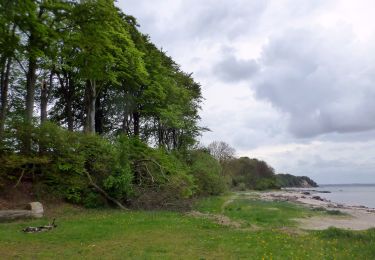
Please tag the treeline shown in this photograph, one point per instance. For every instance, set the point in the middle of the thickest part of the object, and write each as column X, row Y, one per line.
column 93, row 112
column 243, row 173
column 288, row 180
column 252, row 174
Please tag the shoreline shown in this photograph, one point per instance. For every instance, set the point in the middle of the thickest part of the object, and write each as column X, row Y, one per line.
column 355, row 218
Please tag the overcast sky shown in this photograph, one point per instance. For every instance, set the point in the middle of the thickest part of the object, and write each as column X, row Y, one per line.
column 291, row 82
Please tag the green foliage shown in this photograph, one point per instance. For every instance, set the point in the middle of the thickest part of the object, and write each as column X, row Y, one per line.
column 207, row 172
column 119, row 183
column 266, row 183
column 126, row 168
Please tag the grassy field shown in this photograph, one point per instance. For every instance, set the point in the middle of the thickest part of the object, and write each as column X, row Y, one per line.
column 112, row 234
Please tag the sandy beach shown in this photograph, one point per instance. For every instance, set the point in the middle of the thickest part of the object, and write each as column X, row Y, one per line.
column 356, row 217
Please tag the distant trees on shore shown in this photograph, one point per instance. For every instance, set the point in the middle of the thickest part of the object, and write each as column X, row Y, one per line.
column 288, row 180
column 244, row 173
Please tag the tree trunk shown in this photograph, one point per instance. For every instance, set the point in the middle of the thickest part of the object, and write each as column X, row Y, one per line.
column 99, row 116
column 4, row 95
column 90, row 104
column 125, row 123
column 30, row 90
column 43, row 102
column 174, row 137
column 30, row 94
column 67, row 87
column 136, row 118
column 44, row 96
column 69, row 104
column 127, row 115
column 160, row 134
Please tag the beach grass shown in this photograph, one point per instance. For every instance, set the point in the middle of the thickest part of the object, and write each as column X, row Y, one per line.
column 113, row 234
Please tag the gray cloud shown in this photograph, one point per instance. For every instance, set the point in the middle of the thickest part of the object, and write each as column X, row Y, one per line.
column 231, row 69
column 174, row 23
column 222, row 18
column 322, row 79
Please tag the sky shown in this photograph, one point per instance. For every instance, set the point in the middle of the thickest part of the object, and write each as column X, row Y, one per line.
column 291, row 82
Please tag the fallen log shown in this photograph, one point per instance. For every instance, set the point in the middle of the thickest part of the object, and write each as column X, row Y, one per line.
column 36, row 211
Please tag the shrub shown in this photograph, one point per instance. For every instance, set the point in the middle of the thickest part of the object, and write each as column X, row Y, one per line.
column 127, row 169
column 207, row 173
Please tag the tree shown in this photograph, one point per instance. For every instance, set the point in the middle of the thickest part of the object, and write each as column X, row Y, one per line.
column 8, row 46
column 221, row 151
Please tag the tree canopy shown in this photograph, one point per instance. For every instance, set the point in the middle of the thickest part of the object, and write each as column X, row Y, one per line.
column 85, row 66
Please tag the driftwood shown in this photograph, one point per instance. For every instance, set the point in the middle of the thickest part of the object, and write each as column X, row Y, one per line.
column 45, row 228
column 36, row 211
column 105, row 194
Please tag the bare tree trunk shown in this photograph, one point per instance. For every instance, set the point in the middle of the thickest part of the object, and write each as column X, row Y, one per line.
column 127, row 117
column 67, row 87
column 90, row 104
column 44, row 98
column 160, row 134
column 136, row 118
column 30, row 94
column 125, row 123
column 69, row 104
column 43, row 102
column 4, row 95
column 99, row 116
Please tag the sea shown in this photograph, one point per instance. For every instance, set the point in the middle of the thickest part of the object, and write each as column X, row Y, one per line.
column 350, row 194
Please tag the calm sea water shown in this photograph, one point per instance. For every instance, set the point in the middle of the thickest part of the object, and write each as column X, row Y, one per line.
column 350, row 194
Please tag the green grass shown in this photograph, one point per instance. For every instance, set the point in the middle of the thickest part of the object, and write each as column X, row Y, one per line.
column 112, row 234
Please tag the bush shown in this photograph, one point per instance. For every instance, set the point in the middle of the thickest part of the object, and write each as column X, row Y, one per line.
column 125, row 168
column 207, row 173
column 64, row 160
